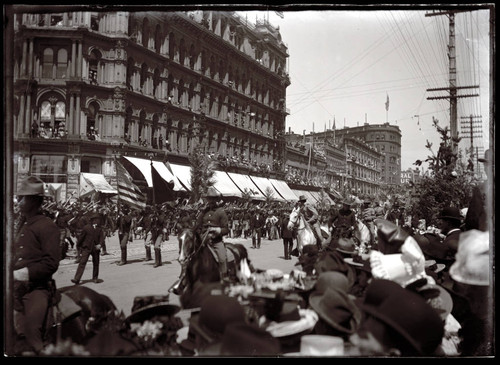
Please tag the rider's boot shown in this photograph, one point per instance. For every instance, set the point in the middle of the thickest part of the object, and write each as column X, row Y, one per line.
column 123, row 257
column 148, row 253
column 157, row 257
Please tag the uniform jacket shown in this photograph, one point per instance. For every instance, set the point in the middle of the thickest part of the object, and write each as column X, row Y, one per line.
column 37, row 248
column 451, row 241
column 310, row 214
column 213, row 217
column 345, row 219
column 91, row 237
column 285, row 232
column 257, row 221
column 368, row 214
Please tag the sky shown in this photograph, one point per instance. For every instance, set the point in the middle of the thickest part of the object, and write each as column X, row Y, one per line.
column 345, row 64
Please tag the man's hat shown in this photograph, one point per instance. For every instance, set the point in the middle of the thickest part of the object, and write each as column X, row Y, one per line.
column 347, row 201
column 147, row 307
column 337, row 309
column 409, row 315
column 213, row 193
column 450, row 213
column 487, row 157
column 302, row 198
column 31, row 185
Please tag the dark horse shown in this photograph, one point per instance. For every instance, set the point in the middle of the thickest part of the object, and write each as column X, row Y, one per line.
column 77, row 314
column 200, row 269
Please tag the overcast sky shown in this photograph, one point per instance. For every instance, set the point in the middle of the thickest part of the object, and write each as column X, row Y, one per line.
column 344, row 64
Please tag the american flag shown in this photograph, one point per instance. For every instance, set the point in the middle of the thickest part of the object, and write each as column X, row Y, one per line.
column 128, row 192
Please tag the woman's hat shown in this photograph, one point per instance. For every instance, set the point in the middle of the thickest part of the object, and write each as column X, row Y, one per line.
column 403, row 268
column 409, row 315
column 147, row 307
column 31, row 185
column 333, row 261
column 472, row 261
column 337, row 309
column 243, row 339
column 302, row 198
column 487, row 157
column 451, row 213
column 216, row 312
column 331, row 279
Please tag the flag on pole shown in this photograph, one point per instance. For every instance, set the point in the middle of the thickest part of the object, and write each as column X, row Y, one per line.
column 162, row 190
column 387, row 103
column 128, row 192
column 280, row 14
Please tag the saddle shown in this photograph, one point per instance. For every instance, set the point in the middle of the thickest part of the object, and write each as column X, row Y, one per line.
column 231, row 253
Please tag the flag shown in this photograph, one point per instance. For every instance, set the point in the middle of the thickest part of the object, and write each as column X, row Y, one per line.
column 387, row 103
column 280, row 14
column 333, row 123
column 162, row 190
column 128, row 192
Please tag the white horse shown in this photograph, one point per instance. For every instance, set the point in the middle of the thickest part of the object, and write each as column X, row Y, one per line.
column 361, row 238
column 305, row 234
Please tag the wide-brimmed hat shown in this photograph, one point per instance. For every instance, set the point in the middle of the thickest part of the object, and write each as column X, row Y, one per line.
column 243, row 339
column 31, row 185
column 451, row 213
column 409, row 315
column 337, row 309
column 302, row 198
column 216, row 312
column 359, row 264
column 472, row 261
column 333, row 261
column 403, row 268
column 147, row 307
column 347, row 201
column 212, row 193
column 331, row 279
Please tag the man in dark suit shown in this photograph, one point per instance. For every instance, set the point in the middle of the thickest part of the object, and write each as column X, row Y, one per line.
column 450, row 222
column 90, row 242
column 257, row 223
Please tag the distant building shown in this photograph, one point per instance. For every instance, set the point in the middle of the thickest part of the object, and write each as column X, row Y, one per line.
column 410, row 175
column 93, row 86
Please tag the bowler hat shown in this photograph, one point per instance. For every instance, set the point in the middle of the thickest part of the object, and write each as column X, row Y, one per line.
column 31, row 185
column 337, row 309
column 302, row 198
column 409, row 315
column 146, row 307
column 450, row 213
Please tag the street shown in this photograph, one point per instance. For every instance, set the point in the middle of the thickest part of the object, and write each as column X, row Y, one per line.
column 138, row 278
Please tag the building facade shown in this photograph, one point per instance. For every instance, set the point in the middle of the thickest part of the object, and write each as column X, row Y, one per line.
column 93, row 86
column 384, row 138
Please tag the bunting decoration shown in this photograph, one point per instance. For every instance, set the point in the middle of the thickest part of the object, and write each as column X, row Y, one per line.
column 128, row 192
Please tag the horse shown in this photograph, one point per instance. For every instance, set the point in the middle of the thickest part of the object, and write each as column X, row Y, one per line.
column 77, row 313
column 199, row 265
column 305, row 234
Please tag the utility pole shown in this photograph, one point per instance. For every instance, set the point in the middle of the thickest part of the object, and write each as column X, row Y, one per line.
column 452, row 88
column 475, row 131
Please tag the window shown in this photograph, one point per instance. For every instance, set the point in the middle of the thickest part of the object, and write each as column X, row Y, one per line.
column 62, row 64
column 91, row 164
column 47, row 63
column 51, row 169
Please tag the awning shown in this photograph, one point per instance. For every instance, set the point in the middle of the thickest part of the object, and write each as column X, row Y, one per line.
column 284, row 190
column 322, row 198
column 91, row 183
column 246, row 185
column 144, row 167
column 183, row 174
column 225, row 185
column 265, row 186
column 310, row 198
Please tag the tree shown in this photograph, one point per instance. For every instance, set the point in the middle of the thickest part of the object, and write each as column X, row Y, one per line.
column 202, row 173
column 448, row 182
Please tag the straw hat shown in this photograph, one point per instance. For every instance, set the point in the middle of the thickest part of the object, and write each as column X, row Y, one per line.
column 147, row 307
column 31, row 185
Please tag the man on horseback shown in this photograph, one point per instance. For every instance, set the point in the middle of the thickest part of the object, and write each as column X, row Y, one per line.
column 212, row 225
column 37, row 255
column 311, row 216
column 344, row 222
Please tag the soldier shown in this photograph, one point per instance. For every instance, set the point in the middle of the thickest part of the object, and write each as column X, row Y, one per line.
column 343, row 224
column 311, row 216
column 124, row 234
column 37, row 255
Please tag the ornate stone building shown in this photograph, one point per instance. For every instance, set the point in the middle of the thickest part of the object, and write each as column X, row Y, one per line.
column 93, row 86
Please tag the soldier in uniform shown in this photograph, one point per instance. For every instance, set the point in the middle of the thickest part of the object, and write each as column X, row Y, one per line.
column 257, row 222
column 157, row 225
column 213, row 225
column 37, row 255
column 124, row 233
column 367, row 217
column 344, row 222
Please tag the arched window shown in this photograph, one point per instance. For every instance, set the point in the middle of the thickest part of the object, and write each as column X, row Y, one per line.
column 142, row 129
column 171, row 46
column 94, row 58
column 145, row 32
column 156, row 80
column 52, row 118
column 158, row 38
column 182, row 51
column 130, row 73
column 128, row 123
column 144, row 75
column 62, row 64
column 47, row 63
column 91, row 121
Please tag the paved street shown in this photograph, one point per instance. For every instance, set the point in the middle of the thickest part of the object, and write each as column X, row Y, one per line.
column 123, row 283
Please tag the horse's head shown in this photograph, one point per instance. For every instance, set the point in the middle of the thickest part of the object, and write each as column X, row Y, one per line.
column 293, row 219
column 187, row 244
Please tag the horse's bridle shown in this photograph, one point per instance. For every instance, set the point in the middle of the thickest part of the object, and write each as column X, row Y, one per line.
column 195, row 251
